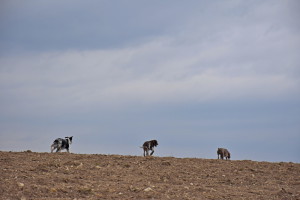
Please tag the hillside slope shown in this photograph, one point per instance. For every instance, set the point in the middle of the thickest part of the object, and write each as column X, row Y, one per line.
column 28, row 175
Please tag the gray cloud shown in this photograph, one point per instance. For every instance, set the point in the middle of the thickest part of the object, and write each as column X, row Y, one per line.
column 65, row 25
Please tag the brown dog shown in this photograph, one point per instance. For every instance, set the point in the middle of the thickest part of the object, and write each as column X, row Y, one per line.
column 222, row 152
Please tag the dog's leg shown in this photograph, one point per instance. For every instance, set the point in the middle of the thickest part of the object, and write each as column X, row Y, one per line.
column 146, row 152
column 53, row 147
column 152, row 153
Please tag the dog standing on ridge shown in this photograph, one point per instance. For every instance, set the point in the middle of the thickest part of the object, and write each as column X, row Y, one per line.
column 61, row 144
column 222, row 152
column 149, row 145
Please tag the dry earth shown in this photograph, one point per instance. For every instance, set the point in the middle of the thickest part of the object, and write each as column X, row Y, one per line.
column 29, row 175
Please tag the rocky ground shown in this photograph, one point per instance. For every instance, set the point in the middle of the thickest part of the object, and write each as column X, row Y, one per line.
column 28, row 175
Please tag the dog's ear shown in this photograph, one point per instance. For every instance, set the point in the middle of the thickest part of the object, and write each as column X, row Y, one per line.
column 71, row 138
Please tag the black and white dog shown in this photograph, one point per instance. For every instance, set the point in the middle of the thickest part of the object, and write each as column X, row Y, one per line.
column 149, row 145
column 61, row 144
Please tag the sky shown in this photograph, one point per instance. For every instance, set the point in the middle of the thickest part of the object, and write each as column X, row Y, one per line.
column 194, row 75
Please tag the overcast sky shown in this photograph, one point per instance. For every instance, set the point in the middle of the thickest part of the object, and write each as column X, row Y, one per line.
column 195, row 75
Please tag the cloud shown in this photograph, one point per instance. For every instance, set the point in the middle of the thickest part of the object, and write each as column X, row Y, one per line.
column 150, row 73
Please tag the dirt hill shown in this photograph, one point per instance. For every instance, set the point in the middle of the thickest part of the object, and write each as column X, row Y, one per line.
column 28, row 175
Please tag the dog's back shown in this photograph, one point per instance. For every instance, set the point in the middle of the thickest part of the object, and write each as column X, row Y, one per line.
column 150, row 144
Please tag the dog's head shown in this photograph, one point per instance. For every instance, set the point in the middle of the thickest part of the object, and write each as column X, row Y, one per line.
column 228, row 156
column 154, row 143
column 69, row 139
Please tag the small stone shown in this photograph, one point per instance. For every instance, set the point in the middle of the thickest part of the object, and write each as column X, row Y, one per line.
column 148, row 189
column 21, row 185
column 79, row 166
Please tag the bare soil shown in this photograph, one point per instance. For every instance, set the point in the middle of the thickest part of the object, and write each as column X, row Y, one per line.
column 29, row 175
